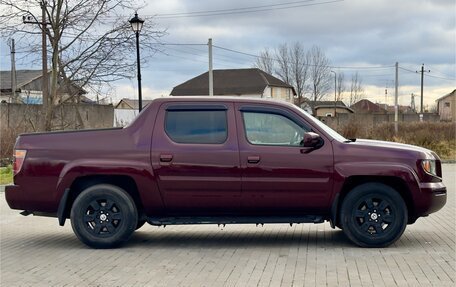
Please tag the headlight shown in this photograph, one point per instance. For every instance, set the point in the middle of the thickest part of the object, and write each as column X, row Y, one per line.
column 429, row 166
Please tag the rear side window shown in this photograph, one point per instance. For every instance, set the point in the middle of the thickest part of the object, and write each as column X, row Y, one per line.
column 196, row 127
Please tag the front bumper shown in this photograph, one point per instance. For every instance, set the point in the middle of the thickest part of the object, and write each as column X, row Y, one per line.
column 432, row 198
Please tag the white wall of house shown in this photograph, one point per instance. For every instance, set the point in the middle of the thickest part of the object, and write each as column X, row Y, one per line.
column 123, row 117
column 4, row 99
column 278, row 93
column 447, row 108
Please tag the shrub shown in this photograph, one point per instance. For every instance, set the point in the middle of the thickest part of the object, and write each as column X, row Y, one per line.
column 437, row 136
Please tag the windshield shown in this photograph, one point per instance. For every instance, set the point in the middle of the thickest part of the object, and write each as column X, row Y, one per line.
column 324, row 127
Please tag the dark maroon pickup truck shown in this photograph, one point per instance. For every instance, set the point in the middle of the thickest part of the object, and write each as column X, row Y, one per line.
column 223, row 160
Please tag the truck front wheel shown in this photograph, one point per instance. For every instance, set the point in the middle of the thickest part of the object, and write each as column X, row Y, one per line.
column 104, row 216
column 373, row 215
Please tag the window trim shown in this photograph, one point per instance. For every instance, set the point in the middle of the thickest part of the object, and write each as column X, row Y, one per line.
column 197, row 108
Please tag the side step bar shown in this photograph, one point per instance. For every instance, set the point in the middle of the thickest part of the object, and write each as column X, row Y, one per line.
column 233, row 220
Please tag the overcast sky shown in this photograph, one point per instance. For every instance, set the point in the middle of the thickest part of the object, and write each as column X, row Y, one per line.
column 353, row 33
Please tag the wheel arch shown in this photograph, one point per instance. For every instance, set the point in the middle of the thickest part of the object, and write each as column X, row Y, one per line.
column 81, row 183
column 397, row 183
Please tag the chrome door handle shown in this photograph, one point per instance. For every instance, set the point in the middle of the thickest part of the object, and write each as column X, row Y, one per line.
column 166, row 157
column 253, row 159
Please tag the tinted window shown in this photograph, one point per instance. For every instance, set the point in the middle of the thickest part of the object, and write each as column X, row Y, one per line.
column 271, row 129
column 198, row 127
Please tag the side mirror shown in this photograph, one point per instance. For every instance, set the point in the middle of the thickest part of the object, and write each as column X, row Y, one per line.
column 312, row 140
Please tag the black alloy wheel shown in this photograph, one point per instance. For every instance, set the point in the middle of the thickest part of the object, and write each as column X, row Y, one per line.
column 104, row 216
column 373, row 215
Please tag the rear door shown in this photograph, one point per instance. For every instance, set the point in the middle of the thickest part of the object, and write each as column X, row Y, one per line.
column 279, row 175
column 195, row 156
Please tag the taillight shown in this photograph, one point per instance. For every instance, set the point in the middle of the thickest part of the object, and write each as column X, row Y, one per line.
column 18, row 160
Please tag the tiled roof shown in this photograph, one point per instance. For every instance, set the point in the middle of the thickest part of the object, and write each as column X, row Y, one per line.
column 230, row 82
column 23, row 77
column 366, row 106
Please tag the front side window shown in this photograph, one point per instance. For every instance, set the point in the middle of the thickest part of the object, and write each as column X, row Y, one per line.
column 196, row 127
column 271, row 129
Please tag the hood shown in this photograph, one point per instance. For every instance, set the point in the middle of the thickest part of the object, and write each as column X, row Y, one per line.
column 394, row 148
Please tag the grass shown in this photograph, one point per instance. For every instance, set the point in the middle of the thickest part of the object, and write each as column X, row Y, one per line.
column 6, row 175
column 439, row 137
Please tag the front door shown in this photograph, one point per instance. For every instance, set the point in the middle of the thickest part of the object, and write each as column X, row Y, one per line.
column 279, row 175
column 195, row 158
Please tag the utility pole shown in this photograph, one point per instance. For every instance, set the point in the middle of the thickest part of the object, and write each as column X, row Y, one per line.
column 422, row 79
column 335, row 92
column 13, row 73
column 386, row 97
column 396, row 95
column 412, row 103
column 31, row 19
column 46, row 103
column 211, row 75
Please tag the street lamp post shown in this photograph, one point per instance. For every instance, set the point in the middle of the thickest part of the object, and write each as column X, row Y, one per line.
column 136, row 25
column 335, row 92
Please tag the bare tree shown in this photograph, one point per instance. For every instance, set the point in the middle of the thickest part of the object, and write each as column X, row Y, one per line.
column 89, row 42
column 319, row 73
column 266, row 61
column 283, row 69
column 356, row 89
column 340, row 86
column 299, row 69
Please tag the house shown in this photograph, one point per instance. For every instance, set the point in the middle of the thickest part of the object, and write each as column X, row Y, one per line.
column 326, row 108
column 401, row 109
column 446, row 107
column 29, row 88
column 131, row 104
column 367, row 107
column 126, row 111
column 238, row 82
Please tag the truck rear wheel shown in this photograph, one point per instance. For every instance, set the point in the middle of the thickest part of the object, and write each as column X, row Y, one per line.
column 104, row 216
column 373, row 215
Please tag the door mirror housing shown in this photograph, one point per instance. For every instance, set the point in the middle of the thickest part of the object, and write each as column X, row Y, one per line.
column 312, row 140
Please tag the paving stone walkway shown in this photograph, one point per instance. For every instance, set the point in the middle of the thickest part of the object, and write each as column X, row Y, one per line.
column 35, row 251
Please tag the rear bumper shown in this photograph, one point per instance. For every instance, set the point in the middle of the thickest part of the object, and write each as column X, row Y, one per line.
column 14, row 197
column 432, row 198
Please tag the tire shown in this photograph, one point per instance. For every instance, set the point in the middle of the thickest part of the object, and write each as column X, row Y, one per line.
column 140, row 224
column 373, row 215
column 103, row 216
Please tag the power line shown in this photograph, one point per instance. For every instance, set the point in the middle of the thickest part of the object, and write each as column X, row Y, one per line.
column 333, row 67
column 402, row 68
column 441, row 74
column 236, row 9
column 443, row 78
column 182, row 44
column 200, row 53
column 193, row 59
column 427, row 75
column 241, row 10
